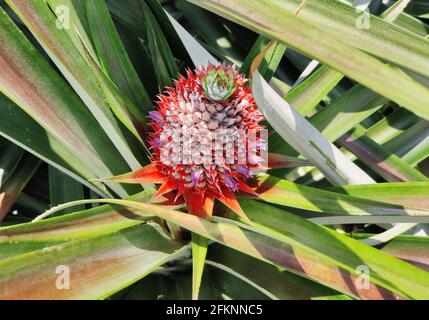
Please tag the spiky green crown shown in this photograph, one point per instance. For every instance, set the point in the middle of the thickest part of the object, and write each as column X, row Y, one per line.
column 219, row 84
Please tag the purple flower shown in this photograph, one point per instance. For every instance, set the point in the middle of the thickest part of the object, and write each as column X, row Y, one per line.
column 244, row 170
column 156, row 116
column 230, row 182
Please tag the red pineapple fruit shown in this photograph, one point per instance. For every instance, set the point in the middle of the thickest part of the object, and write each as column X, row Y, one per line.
column 207, row 140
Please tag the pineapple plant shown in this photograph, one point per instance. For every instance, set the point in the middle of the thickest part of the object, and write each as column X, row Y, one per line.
column 214, row 149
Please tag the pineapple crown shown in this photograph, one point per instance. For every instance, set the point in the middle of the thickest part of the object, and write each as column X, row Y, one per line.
column 219, row 84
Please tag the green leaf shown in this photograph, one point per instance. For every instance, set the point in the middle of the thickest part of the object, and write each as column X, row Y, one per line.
column 303, row 137
column 274, row 282
column 162, row 57
column 64, row 189
column 271, row 59
column 10, row 191
column 283, row 239
column 389, row 166
column 392, row 126
column 31, row 204
column 212, row 31
column 129, row 13
column 344, row 113
column 419, row 153
column 231, row 285
column 414, row 136
column 199, row 253
column 412, row 24
column 407, row 194
column 71, row 18
column 385, row 130
column 381, row 39
column 18, row 127
column 15, row 248
column 273, row 20
column 350, row 254
column 395, row 10
column 10, row 156
column 97, row 267
column 414, row 250
column 126, row 111
column 113, row 56
column 92, row 222
column 199, row 55
column 306, row 96
column 257, row 47
column 286, row 193
column 48, row 99
column 38, row 17
column 340, row 115
column 419, row 8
